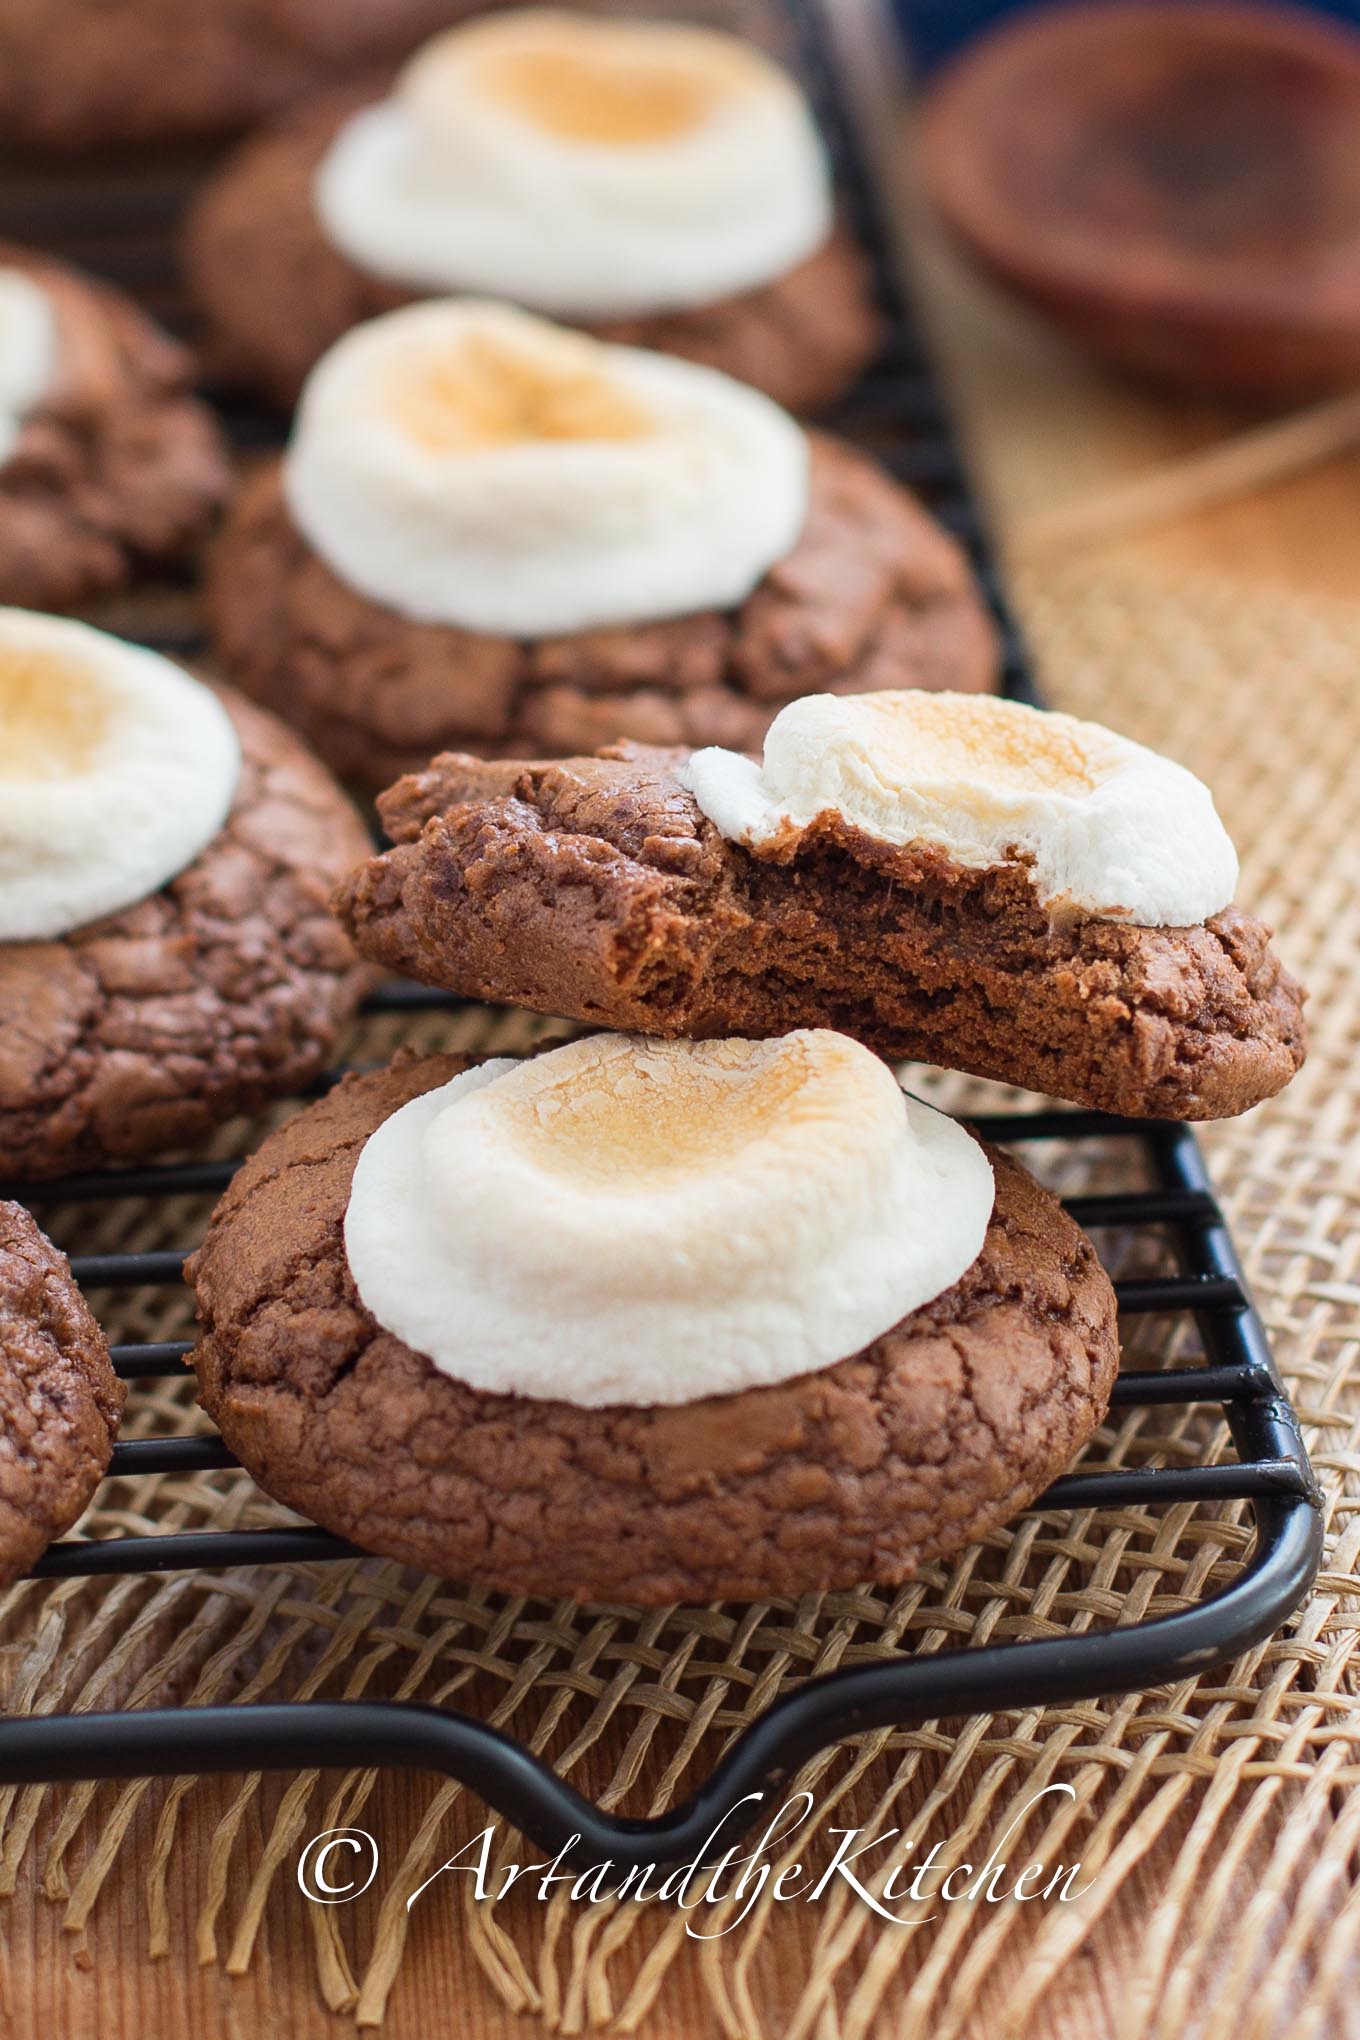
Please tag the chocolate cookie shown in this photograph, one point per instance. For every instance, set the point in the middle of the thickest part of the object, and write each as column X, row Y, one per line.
column 74, row 75
column 60, row 1400
column 596, row 888
column 118, row 464
column 139, row 1033
column 253, row 243
column 874, row 594
column 943, row 1428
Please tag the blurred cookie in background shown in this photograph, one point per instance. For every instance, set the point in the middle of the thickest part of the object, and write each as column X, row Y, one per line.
column 75, row 75
column 1178, row 186
column 108, row 461
column 655, row 183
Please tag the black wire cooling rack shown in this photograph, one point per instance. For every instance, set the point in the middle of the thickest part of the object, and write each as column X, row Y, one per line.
column 122, row 228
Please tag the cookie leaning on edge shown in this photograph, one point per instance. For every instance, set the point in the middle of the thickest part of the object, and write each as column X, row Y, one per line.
column 597, row 888
column 60, row 1399
column 939, row 1430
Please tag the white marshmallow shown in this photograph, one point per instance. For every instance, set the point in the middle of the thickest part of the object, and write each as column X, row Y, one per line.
column 467, row 464
column 633, row 1221
column 116, row 769
column 1111, row 829
column 28, row 352
column 582, row 167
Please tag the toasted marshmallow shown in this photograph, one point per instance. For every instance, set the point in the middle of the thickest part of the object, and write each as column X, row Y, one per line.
column 464, row 463
column 633, row 1221
column 28, row 352
column 1106, row 827
column 115, row 770
column 584, row 167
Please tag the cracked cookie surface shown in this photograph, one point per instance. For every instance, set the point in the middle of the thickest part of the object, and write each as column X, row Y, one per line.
column 253, row 243
column 60, row 1399
column 943, row 1428
column 596, row 889
column 138, row 1033
column 874, row 594
column 119, row 465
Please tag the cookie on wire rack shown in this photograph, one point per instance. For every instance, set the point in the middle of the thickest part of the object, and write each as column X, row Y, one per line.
column 661, row 185
column 649, row 1321
column 491, row 533
column 110, row 465
column 60, row 1400
column 166, row 956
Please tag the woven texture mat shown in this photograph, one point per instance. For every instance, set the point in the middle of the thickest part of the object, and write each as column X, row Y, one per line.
column 1213, row 1822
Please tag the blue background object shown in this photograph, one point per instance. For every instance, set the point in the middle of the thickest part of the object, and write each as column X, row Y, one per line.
column 935, row 28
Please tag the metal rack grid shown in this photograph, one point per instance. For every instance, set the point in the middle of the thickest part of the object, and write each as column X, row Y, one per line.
column 897, row 409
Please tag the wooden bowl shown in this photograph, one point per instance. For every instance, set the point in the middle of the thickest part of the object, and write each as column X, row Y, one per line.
column 1177, row 184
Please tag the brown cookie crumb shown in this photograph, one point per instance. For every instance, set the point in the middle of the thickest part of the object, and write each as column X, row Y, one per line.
column 253, row 243
column 60, row 1399
column 119, row 466
column 939, row 1431
column 596, row 888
